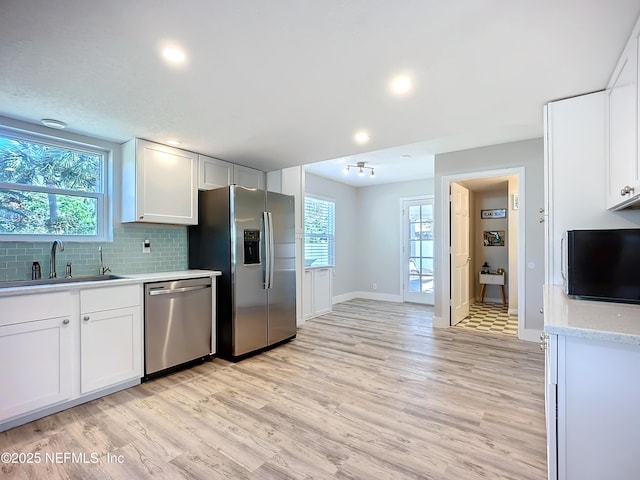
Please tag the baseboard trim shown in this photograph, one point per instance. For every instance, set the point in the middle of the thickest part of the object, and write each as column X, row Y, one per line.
column 384, row 297
column 513, row 311
column 30, row 417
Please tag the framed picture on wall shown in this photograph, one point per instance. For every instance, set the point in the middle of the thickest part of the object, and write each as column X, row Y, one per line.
column 495, row 213
column 494, row 238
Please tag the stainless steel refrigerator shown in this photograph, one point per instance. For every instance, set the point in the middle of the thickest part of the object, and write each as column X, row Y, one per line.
column 249, row 235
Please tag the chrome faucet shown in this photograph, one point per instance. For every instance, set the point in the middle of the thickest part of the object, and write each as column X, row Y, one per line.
column 52, row 258
column 103, row 269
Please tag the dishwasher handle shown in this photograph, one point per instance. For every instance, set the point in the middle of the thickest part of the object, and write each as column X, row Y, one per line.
column 162, row 291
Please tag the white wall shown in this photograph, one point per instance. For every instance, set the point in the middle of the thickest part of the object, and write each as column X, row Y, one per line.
column 345, row 278
column 368, row 235
column 379, row 255
column 528, row 154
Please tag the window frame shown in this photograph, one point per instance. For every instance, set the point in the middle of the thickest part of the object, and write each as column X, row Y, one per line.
column 332, row 237
column 104, row 220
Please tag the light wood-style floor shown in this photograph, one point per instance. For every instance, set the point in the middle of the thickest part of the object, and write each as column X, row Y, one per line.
column 370, row 391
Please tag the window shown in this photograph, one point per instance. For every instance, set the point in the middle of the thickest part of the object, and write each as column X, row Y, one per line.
column 319, row 232
column 51, row 189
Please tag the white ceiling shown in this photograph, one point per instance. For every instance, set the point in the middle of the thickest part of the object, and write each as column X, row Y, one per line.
column 396, row 164
column 278, row 83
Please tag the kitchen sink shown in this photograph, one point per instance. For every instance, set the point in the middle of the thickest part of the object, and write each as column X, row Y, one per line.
column 49, row 281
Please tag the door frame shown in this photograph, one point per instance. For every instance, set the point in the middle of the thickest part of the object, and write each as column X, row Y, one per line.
column 443, row 296
column 403, row 241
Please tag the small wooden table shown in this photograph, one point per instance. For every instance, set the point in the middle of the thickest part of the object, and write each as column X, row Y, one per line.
column 492, row 279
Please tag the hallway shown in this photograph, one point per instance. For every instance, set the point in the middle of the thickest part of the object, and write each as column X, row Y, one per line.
column 490, row 317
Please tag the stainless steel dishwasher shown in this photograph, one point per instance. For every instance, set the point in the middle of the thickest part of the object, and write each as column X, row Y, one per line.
column 177, row 323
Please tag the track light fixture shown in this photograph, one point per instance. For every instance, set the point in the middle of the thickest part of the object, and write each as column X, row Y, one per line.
column 361, row 169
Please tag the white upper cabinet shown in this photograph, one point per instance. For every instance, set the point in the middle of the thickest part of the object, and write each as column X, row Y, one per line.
column 159, row 184
column 213, row 173
column 248, row 177
column 574, row 196
column 623, row 163
column 216, row 173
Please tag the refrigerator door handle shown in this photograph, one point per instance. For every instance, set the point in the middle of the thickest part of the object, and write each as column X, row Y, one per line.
column 267, row 249
column 270, row 260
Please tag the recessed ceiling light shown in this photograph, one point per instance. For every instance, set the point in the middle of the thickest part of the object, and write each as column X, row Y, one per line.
column 51, row 123
column 406, row 155
column 401, row 85
column 361, row 137
column 174, row 54
column 174, row 143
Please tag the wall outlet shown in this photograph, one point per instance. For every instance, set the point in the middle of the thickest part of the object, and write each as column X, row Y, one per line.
column 146, row 246
column 375, row 286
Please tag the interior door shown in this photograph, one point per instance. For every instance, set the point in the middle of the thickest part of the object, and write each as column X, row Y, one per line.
column 418, row 250
column 459, row 253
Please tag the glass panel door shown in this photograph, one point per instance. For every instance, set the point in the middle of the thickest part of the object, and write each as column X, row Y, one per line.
column 418, row 250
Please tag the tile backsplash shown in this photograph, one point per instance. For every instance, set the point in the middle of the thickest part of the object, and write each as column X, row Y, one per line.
column 123, row 255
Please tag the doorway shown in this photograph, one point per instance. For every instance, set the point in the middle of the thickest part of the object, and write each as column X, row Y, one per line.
column 451, row 293
column 417, row 250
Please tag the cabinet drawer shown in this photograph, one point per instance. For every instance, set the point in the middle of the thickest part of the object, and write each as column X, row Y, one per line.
column 490, row 279
column 109, row 298
column 27, row 308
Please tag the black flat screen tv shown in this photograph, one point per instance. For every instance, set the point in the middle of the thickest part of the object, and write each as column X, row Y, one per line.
column 604, row 265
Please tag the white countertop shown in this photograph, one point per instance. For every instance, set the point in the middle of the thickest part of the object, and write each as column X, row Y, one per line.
column 122, row 280
column 614, row 322
column 178, row 274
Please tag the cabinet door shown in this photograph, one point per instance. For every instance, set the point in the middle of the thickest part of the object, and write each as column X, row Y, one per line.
column 322, row 292
column 598, row 420
column 248, row 177
column 166, row 185
column 622, row 129
column 575, row 128
column 307, row 294
column 213, row 173
column 36, row 359
column 110, row 348
column 550, row 402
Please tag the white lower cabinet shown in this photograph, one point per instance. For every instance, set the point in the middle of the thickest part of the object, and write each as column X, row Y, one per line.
column 36, row 359
column 110, row 336
column 317, row 294
column 56, row 349
column 597, row 427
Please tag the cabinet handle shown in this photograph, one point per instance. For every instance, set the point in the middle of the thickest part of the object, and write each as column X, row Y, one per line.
column 627, row 190
column 141, row 217
column 541, row 210
column 541, row 220
column 86, row 318
column 65, row 321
